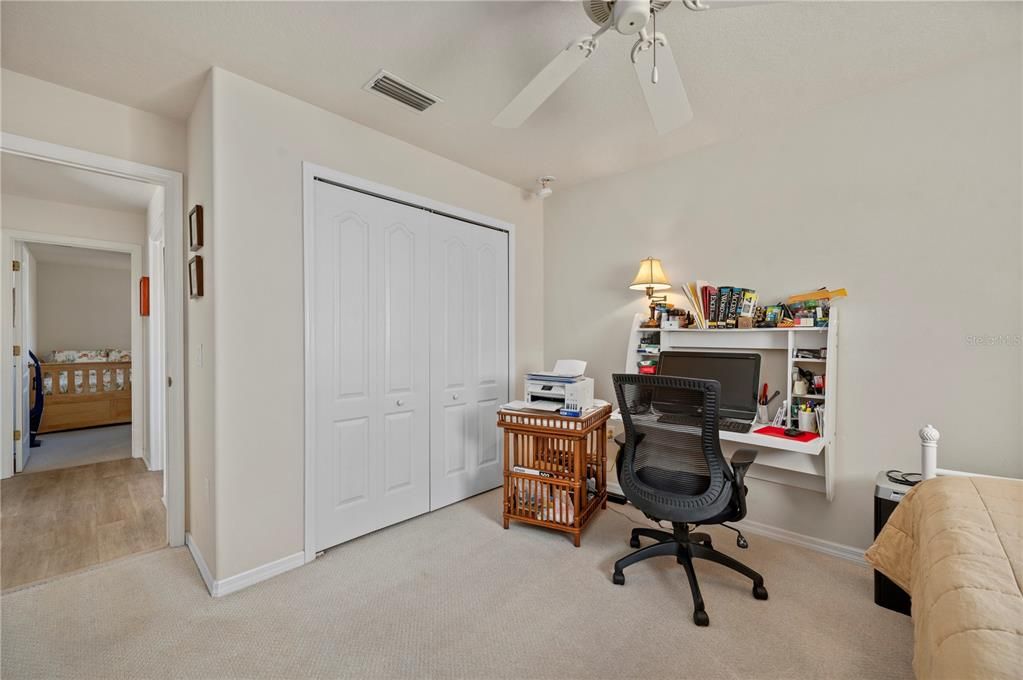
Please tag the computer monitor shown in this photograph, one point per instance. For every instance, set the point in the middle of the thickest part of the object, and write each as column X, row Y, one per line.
column 738, row 374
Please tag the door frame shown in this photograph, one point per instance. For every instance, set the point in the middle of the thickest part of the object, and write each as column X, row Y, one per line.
column 15, row 239
column 173, row 214
column 310, row 173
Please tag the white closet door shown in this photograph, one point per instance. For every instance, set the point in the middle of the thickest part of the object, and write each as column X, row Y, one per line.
column 370, row 326
column 468, row 357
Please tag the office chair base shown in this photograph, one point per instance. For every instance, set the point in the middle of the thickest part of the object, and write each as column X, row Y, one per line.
column 686, row 547
column 659, row 535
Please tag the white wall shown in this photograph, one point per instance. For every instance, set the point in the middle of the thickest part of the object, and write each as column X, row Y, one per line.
column 42, row 110
column 200, row 483
column 50, row 217
column 261, row 137
column 82, row 307
column 909, row 197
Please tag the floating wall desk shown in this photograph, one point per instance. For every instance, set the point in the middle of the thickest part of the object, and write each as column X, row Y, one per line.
column 808, row 465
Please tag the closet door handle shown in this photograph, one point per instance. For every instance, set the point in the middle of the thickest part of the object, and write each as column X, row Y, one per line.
column 454, row 397
column 400, row 402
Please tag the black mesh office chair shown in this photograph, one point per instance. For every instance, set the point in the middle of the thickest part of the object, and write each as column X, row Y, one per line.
column 672, row 469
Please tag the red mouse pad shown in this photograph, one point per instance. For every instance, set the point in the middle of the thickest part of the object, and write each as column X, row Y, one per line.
column 780, row 432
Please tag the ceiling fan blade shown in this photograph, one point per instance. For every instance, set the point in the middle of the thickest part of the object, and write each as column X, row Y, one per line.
column 545, row 83
column 666, row 99
column 704, row 5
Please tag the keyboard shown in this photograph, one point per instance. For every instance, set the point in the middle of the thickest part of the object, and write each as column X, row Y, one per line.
column 726, row 424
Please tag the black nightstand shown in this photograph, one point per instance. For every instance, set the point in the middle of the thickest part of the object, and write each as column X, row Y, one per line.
column 887, row 495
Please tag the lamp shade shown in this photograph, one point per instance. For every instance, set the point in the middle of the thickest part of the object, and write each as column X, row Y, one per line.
column 650, row 276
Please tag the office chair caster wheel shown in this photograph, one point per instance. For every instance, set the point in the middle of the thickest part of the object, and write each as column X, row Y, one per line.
column 760, row 592
column 634, row 542
column 618, row 578
column 700, row 618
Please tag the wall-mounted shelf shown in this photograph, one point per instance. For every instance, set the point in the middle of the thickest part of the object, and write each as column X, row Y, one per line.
column 808, row 465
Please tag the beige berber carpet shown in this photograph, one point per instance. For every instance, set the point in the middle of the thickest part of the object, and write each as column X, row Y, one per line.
column 451, row 594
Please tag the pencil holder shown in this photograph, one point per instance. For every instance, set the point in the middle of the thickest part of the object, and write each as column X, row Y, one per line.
column 762, row 414
column 807, row 421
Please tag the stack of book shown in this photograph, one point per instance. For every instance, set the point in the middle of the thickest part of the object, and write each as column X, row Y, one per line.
column 720, row 306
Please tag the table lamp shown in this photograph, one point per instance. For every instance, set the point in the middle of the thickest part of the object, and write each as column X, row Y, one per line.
column 650, row 278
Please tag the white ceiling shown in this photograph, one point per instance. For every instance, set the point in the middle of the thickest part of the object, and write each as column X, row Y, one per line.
column 23, row 176
column 745, row 68
column 82, row 257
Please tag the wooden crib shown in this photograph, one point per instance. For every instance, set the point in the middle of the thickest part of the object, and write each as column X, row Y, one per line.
column 84, row 394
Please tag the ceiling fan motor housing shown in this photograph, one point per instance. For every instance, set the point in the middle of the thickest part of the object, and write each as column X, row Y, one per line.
column 630, row 16
column 626, row 16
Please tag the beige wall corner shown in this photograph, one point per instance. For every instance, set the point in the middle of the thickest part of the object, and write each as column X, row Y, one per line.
column 200, row 481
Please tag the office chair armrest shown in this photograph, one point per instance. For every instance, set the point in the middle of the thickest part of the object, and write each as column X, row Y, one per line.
column 741, row 460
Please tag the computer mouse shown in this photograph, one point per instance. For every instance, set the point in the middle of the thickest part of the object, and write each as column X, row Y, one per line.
column 792, row 432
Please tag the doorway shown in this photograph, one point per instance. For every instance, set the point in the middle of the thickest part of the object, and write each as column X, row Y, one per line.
column 74, row 322
column 157, row 380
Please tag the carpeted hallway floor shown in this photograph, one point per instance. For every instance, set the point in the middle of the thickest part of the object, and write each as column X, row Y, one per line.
column 451, row 594
column 80, row 447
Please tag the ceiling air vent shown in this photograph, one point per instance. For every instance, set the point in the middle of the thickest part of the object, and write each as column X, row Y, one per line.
column 393, row 87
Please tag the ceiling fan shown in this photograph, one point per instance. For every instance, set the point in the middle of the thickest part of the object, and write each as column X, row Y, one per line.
column 651, row 57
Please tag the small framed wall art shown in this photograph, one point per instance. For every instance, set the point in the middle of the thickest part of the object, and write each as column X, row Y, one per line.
column 195, row 239
column 195, row 277
column 144, row 296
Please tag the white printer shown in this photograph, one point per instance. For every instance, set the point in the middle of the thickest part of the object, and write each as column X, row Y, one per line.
column 563, row 388
column 570, row 396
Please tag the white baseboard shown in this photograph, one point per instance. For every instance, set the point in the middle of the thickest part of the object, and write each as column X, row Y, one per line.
column 263, row 572
column 232, row 584
column 845, row 552
column 204, row 570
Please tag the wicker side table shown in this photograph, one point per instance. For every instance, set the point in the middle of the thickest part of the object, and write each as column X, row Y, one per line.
column 555, row 469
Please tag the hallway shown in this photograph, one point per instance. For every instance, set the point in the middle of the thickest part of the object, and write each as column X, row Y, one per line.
column 59, row 521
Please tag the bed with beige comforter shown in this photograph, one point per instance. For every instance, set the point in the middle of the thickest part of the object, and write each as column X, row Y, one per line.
column 955, row 544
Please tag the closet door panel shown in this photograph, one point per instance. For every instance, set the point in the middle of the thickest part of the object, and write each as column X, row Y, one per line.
column 455, row 284
column 350, row 308
column 350, row 470
column 400, row 451
column 468, row 357
column 400, row 293
column 492, row 350
column 370, row 334
column 455, row 439
column 489, row 440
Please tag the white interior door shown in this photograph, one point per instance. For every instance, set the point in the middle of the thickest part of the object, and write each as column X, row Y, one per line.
column 468, row 357
column 370, row 334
